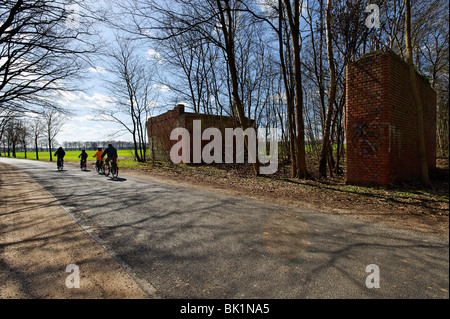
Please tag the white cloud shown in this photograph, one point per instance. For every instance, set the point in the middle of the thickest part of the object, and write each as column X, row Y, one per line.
column 68, row 96
column 154, row 55
column 85, row 125
column 267, row 6
column 82, row 101
column 83, row 118
column 84, row 131
column 162, row 88
column 97, row 69
column 98, row 100
column 148, row 33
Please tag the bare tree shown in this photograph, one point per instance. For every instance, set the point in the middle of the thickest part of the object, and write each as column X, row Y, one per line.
column 194, row 68
column 12, row 136
column 325, row 152
column 432, row 47
column 36, row 129
column 53, row 121
column 417, row 99
column 215, row 48
column 23, row 134
column 217, row 22
column 5, row 117
column 133, row 90
column 40, row 50
column 293, row 15
column 289, row 36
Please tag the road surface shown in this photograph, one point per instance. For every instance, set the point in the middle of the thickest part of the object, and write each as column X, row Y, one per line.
column 179, row 242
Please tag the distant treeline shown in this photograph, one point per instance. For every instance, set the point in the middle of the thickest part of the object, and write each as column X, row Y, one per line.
column 93, row 145
column 71, row 146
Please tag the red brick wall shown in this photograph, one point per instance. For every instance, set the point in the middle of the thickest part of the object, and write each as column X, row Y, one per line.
column 381, row 121
column 160, row 127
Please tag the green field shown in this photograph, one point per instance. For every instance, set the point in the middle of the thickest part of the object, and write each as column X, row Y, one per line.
column 71, row 156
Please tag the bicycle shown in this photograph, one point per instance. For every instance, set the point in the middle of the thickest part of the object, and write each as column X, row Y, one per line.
column 83, row 165
column 100, row 167
column 60, row 164
column 112, row 169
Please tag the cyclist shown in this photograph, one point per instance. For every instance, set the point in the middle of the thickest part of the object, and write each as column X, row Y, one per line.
column 99, row 157
column 111, row 155
column 60, row 153
column 84, row 157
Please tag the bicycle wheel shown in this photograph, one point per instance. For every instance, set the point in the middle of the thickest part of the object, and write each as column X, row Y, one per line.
column 114, row 171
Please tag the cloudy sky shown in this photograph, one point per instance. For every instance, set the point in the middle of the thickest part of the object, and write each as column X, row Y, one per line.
column 85, row 123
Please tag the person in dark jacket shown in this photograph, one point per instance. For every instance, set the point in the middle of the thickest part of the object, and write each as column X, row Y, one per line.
column 60, row 153
column 84, row 157
column 110, row 153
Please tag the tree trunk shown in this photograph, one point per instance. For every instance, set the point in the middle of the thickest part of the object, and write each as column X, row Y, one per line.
column 324, row 154
column 289, row 100
column 14, row 148
column 294, row 25
column 50, row 146
column 229, row 48
column 36, row 145
column 419, row 107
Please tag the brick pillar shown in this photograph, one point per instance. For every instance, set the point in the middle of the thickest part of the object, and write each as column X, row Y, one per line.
column 381, row 121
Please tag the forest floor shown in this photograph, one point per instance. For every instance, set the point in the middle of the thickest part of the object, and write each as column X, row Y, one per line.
column 408, row 206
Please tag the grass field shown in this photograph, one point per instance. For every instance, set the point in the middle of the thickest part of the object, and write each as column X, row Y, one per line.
column 126, row 157
column 71, row 156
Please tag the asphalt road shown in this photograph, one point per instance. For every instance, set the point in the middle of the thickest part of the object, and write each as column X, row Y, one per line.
column 183, row 243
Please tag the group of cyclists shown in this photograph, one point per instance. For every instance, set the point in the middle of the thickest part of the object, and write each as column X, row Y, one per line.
column 110, row 152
